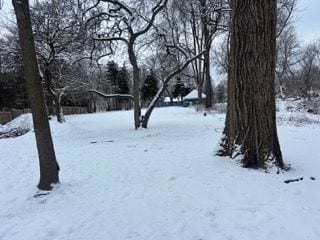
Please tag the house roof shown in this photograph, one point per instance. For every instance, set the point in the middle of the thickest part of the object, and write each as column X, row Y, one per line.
column 193, row 95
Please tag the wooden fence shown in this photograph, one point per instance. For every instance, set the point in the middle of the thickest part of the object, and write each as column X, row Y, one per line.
column 7, row 116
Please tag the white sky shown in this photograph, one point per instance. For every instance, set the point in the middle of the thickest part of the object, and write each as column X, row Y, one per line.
column 307, row 18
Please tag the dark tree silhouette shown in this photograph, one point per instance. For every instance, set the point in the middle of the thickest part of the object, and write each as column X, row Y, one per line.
column 150, row 87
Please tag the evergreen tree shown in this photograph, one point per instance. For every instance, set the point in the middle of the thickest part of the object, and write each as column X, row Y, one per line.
column 150, row 87
column 123, row 87
column 112, row 75
column 180, row 90
column 111, row 84
column 123, row 81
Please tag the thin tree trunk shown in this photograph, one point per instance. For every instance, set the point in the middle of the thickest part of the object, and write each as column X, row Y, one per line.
column 281, row 92
column 136, row 86
column 48, row 165
column 170, row 96
column 199, row 88
column 59, row 109
column 208, row 83
column 56, row 96
column 206, row 55
column 250, row 131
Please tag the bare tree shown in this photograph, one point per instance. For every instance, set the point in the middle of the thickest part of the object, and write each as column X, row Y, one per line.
column 222, row 56
column 59, row 38
column 211, row 13
column 299, row 68
column 309, row 70
column 250, row 132
column 48, row 164
column 202, row 21
column 193, row 37
column 126, row 24
column 178, row 54
column 287, row 43
column 285, row 11
column 288, row 57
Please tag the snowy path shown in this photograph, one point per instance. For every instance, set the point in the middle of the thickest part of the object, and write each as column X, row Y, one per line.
column 158, row 184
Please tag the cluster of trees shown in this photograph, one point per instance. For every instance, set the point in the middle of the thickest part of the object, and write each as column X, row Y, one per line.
column 297, row 62
column 298, row 69
column 61, row 47
column 64, row 55
column 12, row 83
column 74, row 38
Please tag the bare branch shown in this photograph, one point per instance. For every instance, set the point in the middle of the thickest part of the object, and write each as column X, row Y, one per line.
column 101, row 94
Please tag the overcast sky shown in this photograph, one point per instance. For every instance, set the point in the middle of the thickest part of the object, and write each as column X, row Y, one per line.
column 307, row 18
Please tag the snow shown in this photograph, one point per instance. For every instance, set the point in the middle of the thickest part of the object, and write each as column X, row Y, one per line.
column 162, row 183
column 168, row 100
column 18, row 126
column 23, row 121
column 193, row 95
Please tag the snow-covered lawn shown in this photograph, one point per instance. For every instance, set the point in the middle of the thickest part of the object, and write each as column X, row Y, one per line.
column 163, row 183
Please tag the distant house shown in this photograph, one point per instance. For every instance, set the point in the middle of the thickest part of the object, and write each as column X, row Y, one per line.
column 175, row 101
column 192, row 98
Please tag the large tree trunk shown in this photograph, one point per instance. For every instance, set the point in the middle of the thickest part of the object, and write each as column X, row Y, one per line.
column 136, row 85
column 250, row 131
column 48, row 164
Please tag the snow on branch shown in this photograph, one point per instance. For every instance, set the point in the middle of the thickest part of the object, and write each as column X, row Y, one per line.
column 162, row 4
column 101, row 94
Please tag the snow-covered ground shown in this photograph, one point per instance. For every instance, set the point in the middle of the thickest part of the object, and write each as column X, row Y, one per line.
column 17, row 127
column 163, row 183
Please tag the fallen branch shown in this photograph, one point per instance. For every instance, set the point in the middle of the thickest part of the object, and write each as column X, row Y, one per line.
column 293, row 180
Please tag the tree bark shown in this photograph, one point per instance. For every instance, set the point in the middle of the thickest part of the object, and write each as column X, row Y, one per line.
column 199, row 88
column 208, row 84
column 48, row 164
column 136, row 85
column 250, row 130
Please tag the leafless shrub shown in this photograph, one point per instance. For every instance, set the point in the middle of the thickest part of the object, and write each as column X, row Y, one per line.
column 310, row 105
column 298, row 120
column 220, row 107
